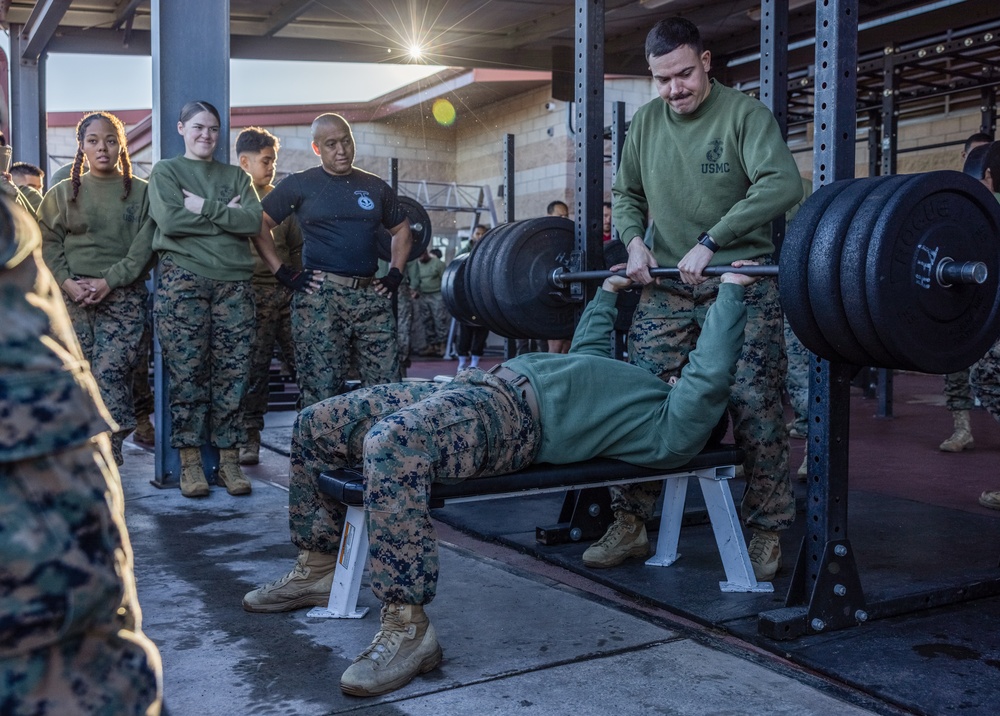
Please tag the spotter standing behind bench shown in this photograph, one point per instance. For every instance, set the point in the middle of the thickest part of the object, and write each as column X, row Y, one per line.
column 539, row 407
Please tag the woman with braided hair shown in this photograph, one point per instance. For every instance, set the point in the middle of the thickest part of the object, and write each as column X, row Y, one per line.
column 97, row 239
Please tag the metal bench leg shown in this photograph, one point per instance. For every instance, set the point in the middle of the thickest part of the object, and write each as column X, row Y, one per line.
column 351, row 560
column 729, row 532
column 674, row 494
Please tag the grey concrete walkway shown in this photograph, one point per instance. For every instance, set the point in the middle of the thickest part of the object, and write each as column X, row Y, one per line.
column 518, row 637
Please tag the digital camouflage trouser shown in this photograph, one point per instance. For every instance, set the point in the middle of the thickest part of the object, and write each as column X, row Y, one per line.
column 958, row 391
column 110, row 333
column 406, row 435
column 433, row 318
column 404, row 322
column 142, row 391
column 70, row 625
column 273, row 324
column 664, row 330
column 797, row 382
column 205, row 328
column 985, row 378
column 337, row 327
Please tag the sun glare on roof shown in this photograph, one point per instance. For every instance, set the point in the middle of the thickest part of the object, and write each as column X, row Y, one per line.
column 416, row 52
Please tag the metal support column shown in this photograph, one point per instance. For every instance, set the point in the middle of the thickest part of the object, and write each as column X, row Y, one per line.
column 826, row 592
column 179, row 76
column 774, row 81
column 889, row 152
column 394, row 174
column 589, row 137
column 988, row 112
column 27, row 102
column 509, row 345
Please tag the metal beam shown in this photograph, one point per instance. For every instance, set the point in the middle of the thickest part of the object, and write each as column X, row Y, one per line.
column 41, row 26
column 27, row 103
column 127, row 13
column 285, row 16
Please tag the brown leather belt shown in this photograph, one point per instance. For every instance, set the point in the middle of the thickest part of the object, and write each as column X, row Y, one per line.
column 520, row 382
column 349, row 281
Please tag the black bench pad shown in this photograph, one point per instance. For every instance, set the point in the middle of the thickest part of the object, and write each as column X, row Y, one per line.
column 346, row 485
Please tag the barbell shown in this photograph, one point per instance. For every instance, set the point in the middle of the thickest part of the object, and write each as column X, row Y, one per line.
column 893, row 272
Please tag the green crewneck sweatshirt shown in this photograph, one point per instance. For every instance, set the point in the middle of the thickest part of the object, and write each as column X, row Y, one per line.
column 214, row 243
column 724, row 169
column 429, row 275
column 99, row 235
column 592, row 405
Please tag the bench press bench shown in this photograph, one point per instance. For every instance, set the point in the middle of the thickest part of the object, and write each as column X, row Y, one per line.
column 713, row 467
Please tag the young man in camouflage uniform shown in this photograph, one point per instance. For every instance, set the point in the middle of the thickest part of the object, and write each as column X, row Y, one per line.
column 984, row 163
column 410, row 435
column 431, row 317
column 257, row 152
column 347, row 318
column 706, row 169
column 70, row 625
column 957, row 391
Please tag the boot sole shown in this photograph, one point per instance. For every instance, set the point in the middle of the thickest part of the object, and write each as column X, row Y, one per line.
column 432, row 661
column 967, row 446
column 197, row 493
column 289, row 606
column 607, row 565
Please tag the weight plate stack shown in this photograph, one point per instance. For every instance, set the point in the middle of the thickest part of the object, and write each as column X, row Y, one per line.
column 793, row 280
column 924, row 325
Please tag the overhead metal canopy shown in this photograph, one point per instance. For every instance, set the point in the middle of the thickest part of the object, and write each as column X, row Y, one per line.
column 513, row 34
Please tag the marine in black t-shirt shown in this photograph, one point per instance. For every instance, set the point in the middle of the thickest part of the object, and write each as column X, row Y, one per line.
column 339, row 216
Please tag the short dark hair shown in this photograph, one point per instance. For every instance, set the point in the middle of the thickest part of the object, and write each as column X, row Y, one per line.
column 26, row 169
column 484, row 227
column 977, row 138
column 253, row 140
column 553, row 204
column 667, row 35
column 607, row 204
column 983, row 157
column 437, row 252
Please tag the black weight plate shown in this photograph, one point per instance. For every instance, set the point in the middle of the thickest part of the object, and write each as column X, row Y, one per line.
column 521, row 278
column 481, row 280
column 927, row 327
column 853, row 261
column 454, row 294
column 793, row 276
column 420, row 231
column 825, row 269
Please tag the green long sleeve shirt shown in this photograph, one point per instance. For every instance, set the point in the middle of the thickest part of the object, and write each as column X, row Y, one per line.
column 99, row 235
column 429, row 275
column 591, row 405
column 724, row 169
column 213, row 243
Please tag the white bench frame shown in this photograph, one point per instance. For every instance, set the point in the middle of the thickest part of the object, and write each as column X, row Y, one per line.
column 714, row 482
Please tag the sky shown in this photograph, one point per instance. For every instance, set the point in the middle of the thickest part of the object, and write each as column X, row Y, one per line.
column 128, row 82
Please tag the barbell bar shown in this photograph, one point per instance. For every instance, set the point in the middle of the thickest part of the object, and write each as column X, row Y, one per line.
column 911, row 264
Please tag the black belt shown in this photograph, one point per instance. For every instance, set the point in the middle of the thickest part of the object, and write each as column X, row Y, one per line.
column 520, row 382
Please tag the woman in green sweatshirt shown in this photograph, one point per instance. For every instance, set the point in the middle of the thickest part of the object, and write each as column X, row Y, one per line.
column 97, row 241
column 204, row 211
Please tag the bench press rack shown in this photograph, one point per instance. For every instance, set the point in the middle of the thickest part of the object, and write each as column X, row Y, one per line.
column 713, row 468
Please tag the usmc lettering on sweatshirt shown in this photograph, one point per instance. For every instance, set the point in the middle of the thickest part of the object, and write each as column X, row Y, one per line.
column 364, row 201
column 714, row 154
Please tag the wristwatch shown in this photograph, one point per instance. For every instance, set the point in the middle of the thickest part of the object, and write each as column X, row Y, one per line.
column 706, row 241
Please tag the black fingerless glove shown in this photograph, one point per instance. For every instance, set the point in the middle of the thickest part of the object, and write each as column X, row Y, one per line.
column 289, row 277
column 392, row 280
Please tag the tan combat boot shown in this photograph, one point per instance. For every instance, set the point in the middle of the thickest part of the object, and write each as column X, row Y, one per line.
column 765, row 554
column 250, row 453
column 961, row 438
column 625, row 538
column 193, row 482
column 406, row 645
column 307, row 585
column 144, row 433
column 230, row 473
